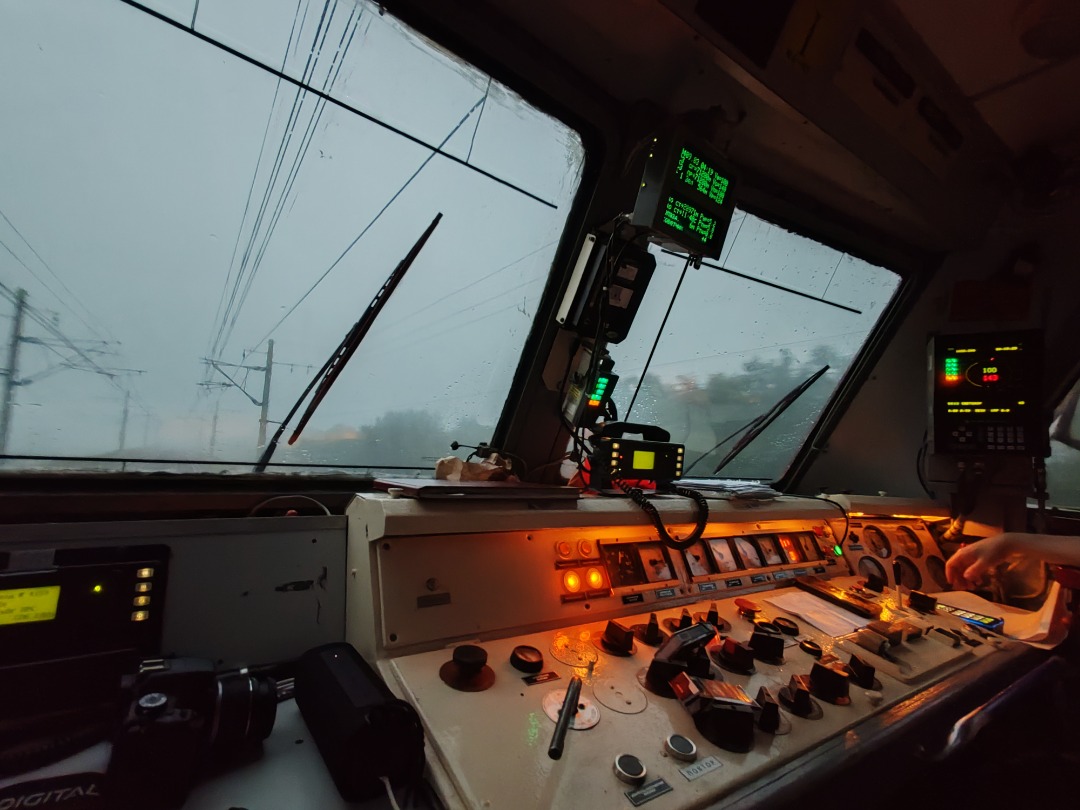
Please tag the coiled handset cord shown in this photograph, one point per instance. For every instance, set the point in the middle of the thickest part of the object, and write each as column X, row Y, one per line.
column 637, row 495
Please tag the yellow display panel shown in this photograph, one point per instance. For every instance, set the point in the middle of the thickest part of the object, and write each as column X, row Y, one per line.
column 22, row 605
column 644, row 459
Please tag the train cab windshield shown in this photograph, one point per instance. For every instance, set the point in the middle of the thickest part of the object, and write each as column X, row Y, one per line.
column 200, row 199
column 538, row 404
column 214, row 202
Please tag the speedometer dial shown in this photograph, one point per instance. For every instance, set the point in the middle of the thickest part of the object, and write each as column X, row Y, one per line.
column 876, row 541
column 908, row 574
column 869, row 567
column 909, row 542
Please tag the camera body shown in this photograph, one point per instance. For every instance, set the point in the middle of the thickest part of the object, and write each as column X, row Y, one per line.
column 178, row 716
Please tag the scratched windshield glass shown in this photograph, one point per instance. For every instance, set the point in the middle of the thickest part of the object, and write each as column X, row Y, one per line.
column 200, row 199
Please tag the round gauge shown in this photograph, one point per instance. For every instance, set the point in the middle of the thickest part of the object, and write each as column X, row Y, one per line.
column 910, row 577
column 875, row 541
column 909, row 542
column 869, row 567
column 936, row 567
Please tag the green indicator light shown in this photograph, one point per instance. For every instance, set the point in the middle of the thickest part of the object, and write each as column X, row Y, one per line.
column 837, row 551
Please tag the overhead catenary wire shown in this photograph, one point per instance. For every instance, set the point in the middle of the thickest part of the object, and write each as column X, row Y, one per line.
column 254, row 177
column 298, row 161
column 48, row 326
column 94, row 330
column 368, row 227
column 414, row 313
column 233, row 306
column 338, row 103
column 656, row 341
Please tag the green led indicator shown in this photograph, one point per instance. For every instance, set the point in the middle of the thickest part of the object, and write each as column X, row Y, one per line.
column 687, row 218
column 696, row 172
column 837, row 551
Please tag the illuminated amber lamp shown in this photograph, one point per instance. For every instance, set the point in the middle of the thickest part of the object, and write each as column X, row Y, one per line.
column 572, row 581
column 594, row 579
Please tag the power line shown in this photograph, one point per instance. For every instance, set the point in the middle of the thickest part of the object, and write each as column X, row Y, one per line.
column 416, row 312
column 336, row 102
column 41, row 281
column 286, row 137
column 374, row 219
column 255, row 174
column 305, row 143
column 49, row 327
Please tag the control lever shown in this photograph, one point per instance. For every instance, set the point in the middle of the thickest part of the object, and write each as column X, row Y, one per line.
column 684, row 651
column 566, row 714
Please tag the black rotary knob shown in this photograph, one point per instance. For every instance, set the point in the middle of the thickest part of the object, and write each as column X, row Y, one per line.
column 795, row 697
column 767, row 647
column 527, row 659
column 470, row 658
column 467, row 670
column 617, row 639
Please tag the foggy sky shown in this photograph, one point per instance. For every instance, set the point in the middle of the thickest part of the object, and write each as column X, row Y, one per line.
column 127, row 152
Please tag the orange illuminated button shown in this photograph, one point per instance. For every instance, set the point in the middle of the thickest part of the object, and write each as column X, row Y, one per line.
column 594, row 579
column 572, row 581
column 564, row 549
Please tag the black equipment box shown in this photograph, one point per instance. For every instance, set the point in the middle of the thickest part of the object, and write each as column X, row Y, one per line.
column 74, row 621
column 986, row 394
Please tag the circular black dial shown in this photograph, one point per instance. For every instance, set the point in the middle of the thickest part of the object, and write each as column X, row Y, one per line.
column 909, row 542
column 910, row 577
column 869, row 567
column 936, row 567
column 876, row 541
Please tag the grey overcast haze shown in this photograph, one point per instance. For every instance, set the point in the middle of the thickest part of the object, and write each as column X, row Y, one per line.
column 166, row 203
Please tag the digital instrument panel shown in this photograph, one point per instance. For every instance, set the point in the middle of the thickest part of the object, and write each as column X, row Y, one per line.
column 19, row 605
column 72, row 621
column 686, row 195
column 986, row 394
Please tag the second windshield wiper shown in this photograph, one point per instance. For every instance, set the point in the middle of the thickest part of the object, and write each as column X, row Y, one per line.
column 757, row 425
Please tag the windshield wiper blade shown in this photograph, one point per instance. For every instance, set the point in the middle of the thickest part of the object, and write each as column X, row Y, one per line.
column 333, row 367
column 758, row 425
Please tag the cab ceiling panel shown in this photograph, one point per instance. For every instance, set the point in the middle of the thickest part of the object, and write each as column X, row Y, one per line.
column 838, row 99
column 1018, row 61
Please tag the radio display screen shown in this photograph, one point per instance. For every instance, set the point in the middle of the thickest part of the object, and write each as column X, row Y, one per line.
column 22, row 605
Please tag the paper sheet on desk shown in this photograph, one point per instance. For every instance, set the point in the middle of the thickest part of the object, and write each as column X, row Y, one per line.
column 826, row 617
column 1034, row 627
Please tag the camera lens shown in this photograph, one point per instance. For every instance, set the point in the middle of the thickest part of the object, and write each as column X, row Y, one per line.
column 246, row 710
